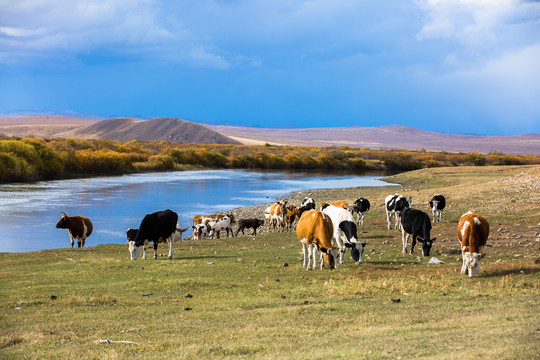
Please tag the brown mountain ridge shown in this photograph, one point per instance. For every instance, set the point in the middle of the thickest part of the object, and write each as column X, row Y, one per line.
column 178, row 130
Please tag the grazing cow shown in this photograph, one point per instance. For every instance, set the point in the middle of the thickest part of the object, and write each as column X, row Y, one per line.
column 307, row 204
column 344, row 234
column 156, row 227
column 472, row 232
column 249, row 223
column 79, row 227
column 314, row 231
column 215, row 226
column 200, row 231
column 437, row 205
column 416, row 223
column 276, row 215
column 132, row 233
column 199, row 219
column 290, row 216
column 361, row 207
column 394, row 205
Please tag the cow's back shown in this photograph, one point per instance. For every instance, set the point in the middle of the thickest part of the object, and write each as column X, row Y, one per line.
column 157, row 226
column 472, row 232
column 314, row 226
column 415, row 221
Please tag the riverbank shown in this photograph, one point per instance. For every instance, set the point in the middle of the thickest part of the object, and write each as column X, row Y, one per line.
column 249, row 297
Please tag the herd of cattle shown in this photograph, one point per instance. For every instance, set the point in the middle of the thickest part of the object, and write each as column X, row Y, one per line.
column 331, row 230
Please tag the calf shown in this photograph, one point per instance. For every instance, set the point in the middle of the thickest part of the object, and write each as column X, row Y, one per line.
column 314, row 231
column 249, row 223
column 156, row 227
column 394, row 205
column 307, row 204
column 472, row 233
column 344, row 234
column 290, row 216
column 79, row 227
column 132, row 233
column 417, row 223
column 200, row 231
column 361, row 207
column 437, row 205
column 215, row 226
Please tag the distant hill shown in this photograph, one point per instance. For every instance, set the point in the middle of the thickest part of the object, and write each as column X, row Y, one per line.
column 120, row 129
column 384, row 137
column 177, row 130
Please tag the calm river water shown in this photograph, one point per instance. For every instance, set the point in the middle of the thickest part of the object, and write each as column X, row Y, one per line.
column 29, row 212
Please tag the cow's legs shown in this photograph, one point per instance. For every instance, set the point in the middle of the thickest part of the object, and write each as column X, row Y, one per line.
column 362, row 219
column 341, row 255
column 171, row 244
column 440, row 215
column 404, row 239
column 413, row 243
column 144, row 252
column 155, row 249
column 72, row 241
column 388, row 219
column 305, row 252
column 464, row 268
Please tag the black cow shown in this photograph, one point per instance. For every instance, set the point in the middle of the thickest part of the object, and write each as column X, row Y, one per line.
column 307, row 204
column 394, row 205
column 157, row 227
column 361, row 207
column 416, row 223
column 437, row 205
column 249, row 223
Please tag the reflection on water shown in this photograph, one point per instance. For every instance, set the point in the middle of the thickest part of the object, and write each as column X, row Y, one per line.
column 30, row 211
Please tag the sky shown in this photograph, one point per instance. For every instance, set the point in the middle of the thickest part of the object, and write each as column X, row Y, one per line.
column 454, row 66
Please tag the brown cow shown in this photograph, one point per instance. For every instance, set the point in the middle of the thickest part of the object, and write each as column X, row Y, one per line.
column 199, row 219
column 79, row 227
column 290, row 217
column 276, row 215
column 314, row 231
column 472, row 233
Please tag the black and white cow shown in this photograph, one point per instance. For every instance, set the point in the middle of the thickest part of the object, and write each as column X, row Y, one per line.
column 345, row 232
column 416, row 223
column 361, row 207
column 132, row 233
column 394, row 205
column 156, row 227
column 307, row 204
column 437, row 205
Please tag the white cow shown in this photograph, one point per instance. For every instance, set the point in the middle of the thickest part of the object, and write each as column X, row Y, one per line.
column 215, row 226
column 200, row 231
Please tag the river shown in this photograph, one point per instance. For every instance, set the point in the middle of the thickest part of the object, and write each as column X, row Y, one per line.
column 29, row 212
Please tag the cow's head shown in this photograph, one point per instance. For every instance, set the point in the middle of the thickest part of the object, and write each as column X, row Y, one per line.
column 434, row 204
column 357, row 249
column 259, row 222
column 330, row 255
column 62, row 223
column 134, row 249
column 472, row 262
column 426, row 245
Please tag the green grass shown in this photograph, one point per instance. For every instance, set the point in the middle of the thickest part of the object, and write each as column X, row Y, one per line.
column 235, row 298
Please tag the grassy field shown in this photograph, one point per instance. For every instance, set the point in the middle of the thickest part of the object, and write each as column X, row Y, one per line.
column 249, row 297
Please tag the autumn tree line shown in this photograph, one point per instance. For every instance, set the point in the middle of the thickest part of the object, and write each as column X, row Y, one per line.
column 32, row 159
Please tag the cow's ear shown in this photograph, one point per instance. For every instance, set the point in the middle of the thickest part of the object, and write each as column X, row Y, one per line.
column 348, row 245
column 420, row 239
column 482, row 255
column 323, row 250
column 364, row 244
column 433, row 240
column 193, row 227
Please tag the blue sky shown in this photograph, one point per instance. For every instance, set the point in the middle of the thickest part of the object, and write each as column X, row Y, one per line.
column 457, row 66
